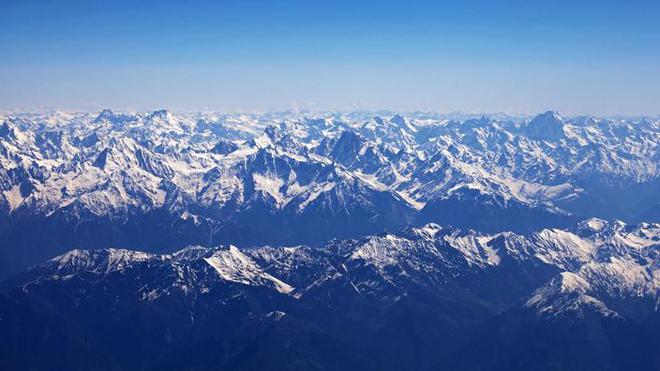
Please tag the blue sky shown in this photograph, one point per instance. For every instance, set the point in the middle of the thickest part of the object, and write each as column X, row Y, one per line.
column 600, row 57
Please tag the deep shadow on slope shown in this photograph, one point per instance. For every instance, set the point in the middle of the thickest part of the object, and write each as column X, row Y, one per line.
column 471, row 210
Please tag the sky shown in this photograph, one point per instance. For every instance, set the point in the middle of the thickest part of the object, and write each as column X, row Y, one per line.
column 577, row 57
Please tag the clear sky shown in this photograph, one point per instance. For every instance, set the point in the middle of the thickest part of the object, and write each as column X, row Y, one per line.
column 600, row 57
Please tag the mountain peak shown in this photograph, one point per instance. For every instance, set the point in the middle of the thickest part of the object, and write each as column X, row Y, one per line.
column 398, row 119
column 161, row 114
column 100, row 261
column 272, row 132
column 348, row 147
column 7, row 130
column 105, row 115
column 593, row 224
column 233, row 265
column 550, row 114
column 224, row 147
column 548, row 125
column 401, row 122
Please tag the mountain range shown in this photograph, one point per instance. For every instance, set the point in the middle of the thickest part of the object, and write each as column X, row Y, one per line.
column 330, row 241
column 158, row 181
column 424, row 298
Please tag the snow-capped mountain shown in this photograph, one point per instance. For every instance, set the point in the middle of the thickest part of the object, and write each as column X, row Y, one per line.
column 364, row 299
column 159, row 181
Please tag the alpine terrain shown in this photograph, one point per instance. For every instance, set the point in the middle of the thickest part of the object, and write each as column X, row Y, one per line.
column 329, row 240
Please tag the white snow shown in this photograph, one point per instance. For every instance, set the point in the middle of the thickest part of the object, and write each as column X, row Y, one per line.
column 232, row 265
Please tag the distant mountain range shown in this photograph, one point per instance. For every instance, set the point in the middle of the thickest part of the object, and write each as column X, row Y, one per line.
column 334, row 241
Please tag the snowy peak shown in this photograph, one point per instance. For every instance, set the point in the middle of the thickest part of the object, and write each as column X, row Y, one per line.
column 164, row 120
column 162, row 114
column 563, row 249
column 224, row 147
column 592, row 225
column 608, row 264
column 108, row 116
column 99, row 261
column 105, row 115
column 546, row 126
column 429, row 231
column 232, row 265
column 7, row 130
column 567, row 293
column 401, row 122
column 348, row 147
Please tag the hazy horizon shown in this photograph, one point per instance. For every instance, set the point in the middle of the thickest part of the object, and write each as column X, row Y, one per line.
column 597, row 58
column 38, row 111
